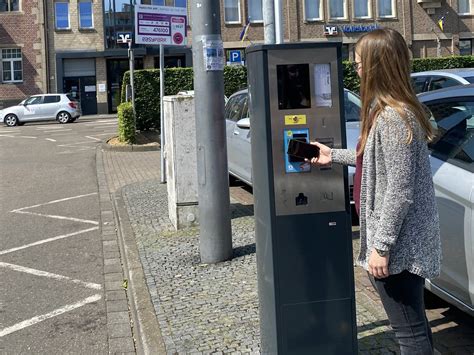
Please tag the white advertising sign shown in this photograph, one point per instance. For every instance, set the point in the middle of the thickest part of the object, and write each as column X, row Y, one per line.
column 160, row 25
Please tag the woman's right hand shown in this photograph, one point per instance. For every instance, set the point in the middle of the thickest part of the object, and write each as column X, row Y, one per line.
column 324, row 155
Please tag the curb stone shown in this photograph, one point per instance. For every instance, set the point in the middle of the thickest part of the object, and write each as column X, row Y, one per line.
column 130, row 147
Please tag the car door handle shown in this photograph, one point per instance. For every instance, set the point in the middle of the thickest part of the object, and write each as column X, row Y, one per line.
column 236, row 133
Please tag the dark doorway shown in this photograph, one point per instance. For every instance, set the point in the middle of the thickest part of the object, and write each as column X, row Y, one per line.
column 83, row 89
column 115, row 70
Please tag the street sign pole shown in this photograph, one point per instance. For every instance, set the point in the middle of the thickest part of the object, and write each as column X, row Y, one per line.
column 162, row 113
column 131, row 56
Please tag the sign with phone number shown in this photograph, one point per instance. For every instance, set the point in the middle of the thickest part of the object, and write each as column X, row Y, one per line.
column 160, row 25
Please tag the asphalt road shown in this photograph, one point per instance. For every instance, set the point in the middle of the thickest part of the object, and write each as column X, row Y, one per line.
column 51, row 267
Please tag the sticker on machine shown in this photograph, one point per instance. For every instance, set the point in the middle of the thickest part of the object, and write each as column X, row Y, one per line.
column 295, row 119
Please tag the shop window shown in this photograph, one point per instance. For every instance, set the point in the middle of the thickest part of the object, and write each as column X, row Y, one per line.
column 12, row 65
column 61, row 12
column 232, row 11
column 465, row 47
column 255, row 11
column 313, row 10
column 386, row 8
column 85, row 14
column 9, row 5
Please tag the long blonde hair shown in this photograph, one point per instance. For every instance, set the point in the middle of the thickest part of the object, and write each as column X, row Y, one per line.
column 385, row 81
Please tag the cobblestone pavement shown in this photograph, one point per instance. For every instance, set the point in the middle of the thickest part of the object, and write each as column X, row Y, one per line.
column 204, row 309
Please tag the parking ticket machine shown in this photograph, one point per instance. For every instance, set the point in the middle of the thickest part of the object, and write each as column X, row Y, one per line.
column 302, row 213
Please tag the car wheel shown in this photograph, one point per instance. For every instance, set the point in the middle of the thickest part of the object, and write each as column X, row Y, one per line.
column 11, row 120
column 63, row 117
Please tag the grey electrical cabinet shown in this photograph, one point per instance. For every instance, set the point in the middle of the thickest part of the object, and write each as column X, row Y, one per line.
column 302, row 213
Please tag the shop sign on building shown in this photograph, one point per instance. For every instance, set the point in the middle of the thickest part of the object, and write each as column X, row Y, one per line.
column 330, row 30
column 359, row 28
column 160, row 25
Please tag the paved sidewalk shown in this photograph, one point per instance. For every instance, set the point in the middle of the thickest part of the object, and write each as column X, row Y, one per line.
column 205, row 309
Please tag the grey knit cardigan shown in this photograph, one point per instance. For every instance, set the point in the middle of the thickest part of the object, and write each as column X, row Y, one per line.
column 398, row 209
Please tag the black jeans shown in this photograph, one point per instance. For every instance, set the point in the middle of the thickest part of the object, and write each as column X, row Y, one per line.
column 402, row 298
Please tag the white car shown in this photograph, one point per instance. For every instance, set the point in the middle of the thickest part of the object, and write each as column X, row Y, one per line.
column 60, row 107
column 452, row 167
column 440, row 79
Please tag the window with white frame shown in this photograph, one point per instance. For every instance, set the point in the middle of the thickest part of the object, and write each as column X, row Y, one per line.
column 337, row 9
column 85, row 14
column 386, row 8
column 362, row 9
column 9, row 5
column 313, row 10
column 255, row 11
column 464, row 7
column 232, row 11
column 61, row 12
column 12, row 66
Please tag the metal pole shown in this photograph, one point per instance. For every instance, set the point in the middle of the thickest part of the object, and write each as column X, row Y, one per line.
column 162, row 114
column 269, row 21
column 213, row 179
column 132, row 62
column 279, row 38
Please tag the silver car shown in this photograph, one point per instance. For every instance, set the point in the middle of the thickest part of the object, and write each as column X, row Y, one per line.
column 440, row 79
column 452, row 165
column 238, row 133
column 59, row 107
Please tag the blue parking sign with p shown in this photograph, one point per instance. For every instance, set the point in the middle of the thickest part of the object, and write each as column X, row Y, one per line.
column 235, row 56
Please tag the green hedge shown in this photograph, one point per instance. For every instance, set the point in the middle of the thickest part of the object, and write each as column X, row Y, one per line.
column 126, row 123
column 147, row 83
column 147, row 89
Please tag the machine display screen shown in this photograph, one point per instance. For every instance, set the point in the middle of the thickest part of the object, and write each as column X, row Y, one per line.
column 294, row 90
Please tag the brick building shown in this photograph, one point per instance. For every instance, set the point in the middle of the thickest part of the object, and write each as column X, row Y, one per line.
column 84, row 58
column 22, row 56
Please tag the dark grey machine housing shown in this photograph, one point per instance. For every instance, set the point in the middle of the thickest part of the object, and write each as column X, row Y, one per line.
column 303, row 224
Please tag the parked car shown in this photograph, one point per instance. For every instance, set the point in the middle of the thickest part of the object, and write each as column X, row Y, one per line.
column 439, row 79
column 452, row 155
column 60, row 107
column 238, row 133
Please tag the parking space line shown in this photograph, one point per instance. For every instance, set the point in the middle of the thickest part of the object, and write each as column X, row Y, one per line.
column 101, row 124
column 7, row 135
column 49, row 128
column 57, row 312
column 55, row 201
column 59, row 130
column 58, row 217
column 35, row 272
column 96, row 139
column 8, row 251
column 27, row 137
column 71, row 144
column 51, row 139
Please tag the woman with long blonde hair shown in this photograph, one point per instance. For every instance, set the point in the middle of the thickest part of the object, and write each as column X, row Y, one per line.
column 393, row 188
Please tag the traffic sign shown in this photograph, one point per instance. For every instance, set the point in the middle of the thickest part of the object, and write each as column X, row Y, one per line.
column 160, row 25
column 235, row 56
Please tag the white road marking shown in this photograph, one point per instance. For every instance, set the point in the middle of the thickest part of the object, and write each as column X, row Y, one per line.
column 50, row 275
column 27, row 137
column 9, row 131
column 51, row 139
column 57, row 312
column 109, row 120
column 59, row 217
column 7, row 135
column 55, row 201
column 70, row 144
column 49, row 128
column 96, row 139
column 105, row 134
column 59, row 130
column 8, row 251
column 101, row 124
